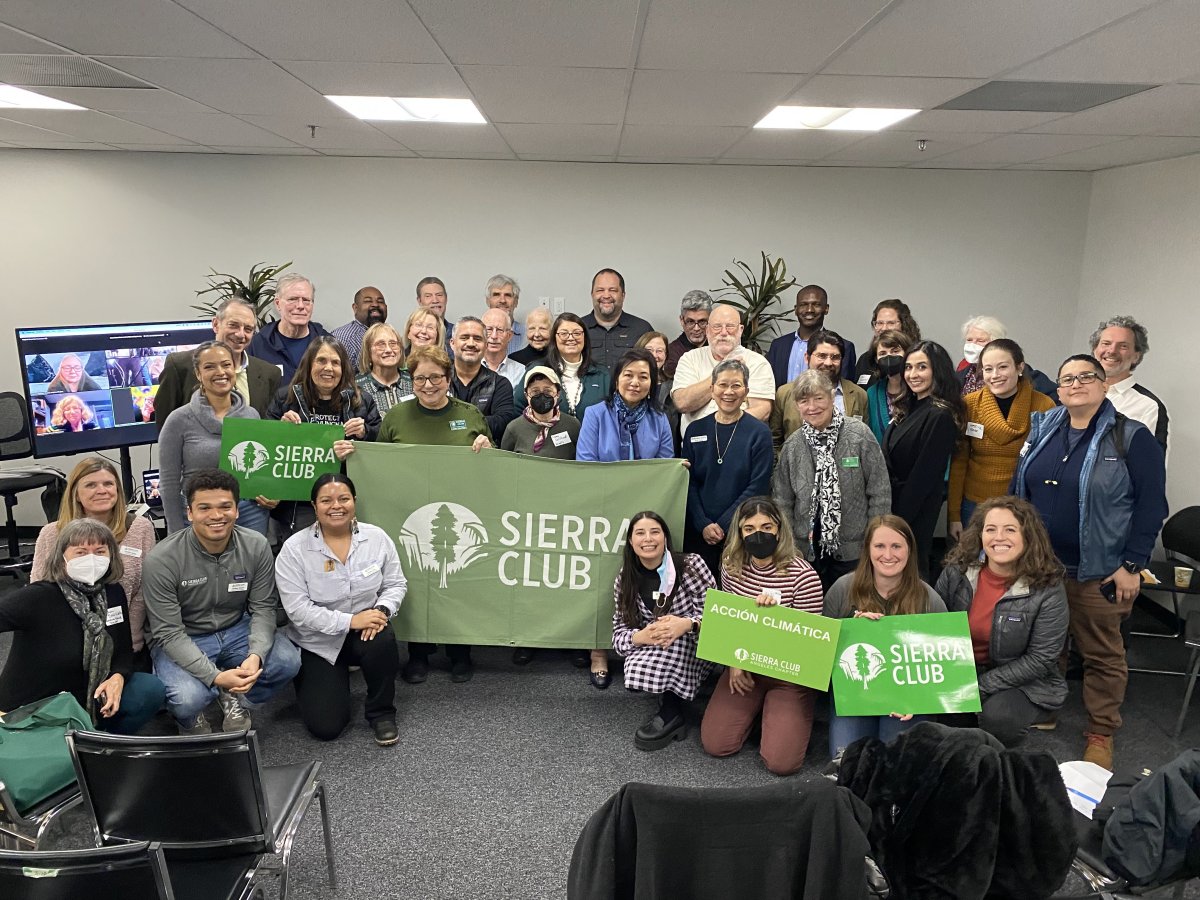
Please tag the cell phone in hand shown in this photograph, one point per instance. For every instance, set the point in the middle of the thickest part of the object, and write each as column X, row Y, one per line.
column 1109, row 590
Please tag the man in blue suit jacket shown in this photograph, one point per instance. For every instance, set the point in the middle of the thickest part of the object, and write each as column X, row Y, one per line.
column 788, row 353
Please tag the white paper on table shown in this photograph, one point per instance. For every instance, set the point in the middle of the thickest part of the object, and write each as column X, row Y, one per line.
column 1086, row 783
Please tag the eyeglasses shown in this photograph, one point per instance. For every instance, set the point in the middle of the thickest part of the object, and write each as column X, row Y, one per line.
column 1081, row 378
column 495, row 330
column 297, row 301
column 433, row 380
column 695, row 324
column 571, row 335
column 723, row 329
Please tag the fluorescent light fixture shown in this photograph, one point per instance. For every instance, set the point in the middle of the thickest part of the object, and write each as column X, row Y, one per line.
column 410, row 109
column 833, row 118
column 19, row 98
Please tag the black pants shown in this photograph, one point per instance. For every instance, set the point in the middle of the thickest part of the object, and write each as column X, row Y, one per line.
column 1007, row 714
column 830, row 570
column 456, row 652
column 324, row 690
column 710, row 553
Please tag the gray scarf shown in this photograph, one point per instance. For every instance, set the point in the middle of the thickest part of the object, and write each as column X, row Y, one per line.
column 826, row 489
column 91, row 605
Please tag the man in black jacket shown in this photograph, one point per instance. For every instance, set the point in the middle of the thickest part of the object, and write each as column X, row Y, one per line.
column 489, row 392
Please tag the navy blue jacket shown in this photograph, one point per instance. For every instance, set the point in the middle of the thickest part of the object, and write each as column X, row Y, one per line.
column 780, row 352
column 267, row 345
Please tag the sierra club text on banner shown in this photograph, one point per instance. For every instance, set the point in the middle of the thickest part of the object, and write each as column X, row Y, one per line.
column 784, row 643
column 279, row 460
column 509, row 549
column 920, row 664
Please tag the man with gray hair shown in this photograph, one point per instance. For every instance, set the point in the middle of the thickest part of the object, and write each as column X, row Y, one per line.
column 257, row 381
column 1120, row 343
column 693, row 316
column 503, row 292
column 283, row 342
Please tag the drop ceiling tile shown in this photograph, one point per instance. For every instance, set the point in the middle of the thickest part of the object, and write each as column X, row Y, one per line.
column 891, row 146
column 576, row 140
column 120, row 100
column 756, row 35
column 1173, row 109
column 869, row 90
column 427, row 137
column 211, row 130
column 972, row 38
column 667, row 160
column 165, row 148
column 380, row 79
column 776, row 144
column 380, row 153
column 1013, row 149
column 967, row 121
column 12, row 41
column 539, row 33
column 250, row 86
column 561, row 96
column 727, row 161
column 677, row 141
column 268, row 151
column 348, row 133
column 465, row 154
column 52, row 144
column 1157, row 45
column 21, row 133
column 122, row 28
column 859, row 164
column 1125, row 153
column 564, row 157
column 705, row 98
column 90, row 126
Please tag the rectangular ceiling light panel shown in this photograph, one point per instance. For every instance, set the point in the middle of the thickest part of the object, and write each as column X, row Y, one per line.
column 18, row 98
column 833, row 118
column 410, row 109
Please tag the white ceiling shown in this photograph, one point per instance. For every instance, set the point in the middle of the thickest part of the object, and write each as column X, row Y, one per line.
column 613, row 80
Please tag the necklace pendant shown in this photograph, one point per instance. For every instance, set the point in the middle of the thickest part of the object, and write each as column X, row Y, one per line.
column 720, row 462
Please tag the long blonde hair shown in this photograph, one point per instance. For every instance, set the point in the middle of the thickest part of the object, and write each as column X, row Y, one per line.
column 70, row 510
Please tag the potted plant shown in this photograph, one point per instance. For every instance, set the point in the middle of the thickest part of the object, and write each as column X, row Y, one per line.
column 756, row 297
column 258, row 288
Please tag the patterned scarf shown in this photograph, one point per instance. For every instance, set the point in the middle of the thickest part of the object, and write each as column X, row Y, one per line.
column 91, row 605
column 826, row 489
column 628, row 421
column 543, row 427
column 973, row 380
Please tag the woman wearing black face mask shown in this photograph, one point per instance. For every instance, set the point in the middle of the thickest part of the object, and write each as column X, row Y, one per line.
column 888, row 350
column 760, row 561
column 541, row 429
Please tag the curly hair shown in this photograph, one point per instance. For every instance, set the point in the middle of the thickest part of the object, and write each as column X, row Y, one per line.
column 1141, row 337
column 1038, row 565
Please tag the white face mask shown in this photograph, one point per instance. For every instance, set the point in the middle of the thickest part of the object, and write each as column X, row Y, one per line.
column 88, row 569
column 971, row 352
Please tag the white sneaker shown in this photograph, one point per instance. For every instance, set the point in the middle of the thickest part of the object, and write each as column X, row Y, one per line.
column 199, row 726
column 237, row 718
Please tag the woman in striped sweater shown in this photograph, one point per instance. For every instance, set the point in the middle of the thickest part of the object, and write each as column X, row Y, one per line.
column 760, row 561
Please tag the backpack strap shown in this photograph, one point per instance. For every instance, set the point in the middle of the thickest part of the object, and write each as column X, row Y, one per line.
column 1119, row 435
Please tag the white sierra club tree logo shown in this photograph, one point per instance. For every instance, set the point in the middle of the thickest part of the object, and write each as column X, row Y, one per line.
column 248, row 457
column 862, row 662
column 443, row 537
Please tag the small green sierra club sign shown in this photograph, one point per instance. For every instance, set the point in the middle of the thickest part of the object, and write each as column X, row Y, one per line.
column 279, row 460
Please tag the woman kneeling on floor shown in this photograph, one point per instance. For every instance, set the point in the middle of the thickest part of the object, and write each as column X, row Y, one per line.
column 659, row 603
column 760, row 561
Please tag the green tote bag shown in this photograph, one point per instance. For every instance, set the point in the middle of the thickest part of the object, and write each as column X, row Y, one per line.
column 34, row 760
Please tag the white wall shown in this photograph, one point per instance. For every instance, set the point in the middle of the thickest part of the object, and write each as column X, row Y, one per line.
column 97, row 237
column 1142, row 258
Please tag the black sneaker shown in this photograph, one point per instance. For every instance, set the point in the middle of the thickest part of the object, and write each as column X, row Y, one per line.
column 416, row 670
column 385, row 732
column 656, row 734
column 461, row 671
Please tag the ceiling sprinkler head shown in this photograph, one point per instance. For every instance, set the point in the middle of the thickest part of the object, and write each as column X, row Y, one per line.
column 921, row 144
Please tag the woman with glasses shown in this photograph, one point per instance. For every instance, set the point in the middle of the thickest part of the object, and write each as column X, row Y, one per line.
column 1098, row 480
column 569, row 354
column 997, row 424
column 381, row 364
column 423, row 329
column 71, row 378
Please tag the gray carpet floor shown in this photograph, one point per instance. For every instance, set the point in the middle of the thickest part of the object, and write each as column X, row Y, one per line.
column 492, row 781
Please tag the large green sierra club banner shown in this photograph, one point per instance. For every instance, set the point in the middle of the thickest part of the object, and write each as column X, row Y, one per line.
column 906, row 664
column 279, row 460
column 508, row 549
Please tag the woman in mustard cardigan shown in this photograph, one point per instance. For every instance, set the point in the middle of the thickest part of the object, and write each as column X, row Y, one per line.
column 997, row 425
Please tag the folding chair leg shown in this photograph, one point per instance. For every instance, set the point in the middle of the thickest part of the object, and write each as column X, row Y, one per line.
column 330, row 864
column 1193, row 667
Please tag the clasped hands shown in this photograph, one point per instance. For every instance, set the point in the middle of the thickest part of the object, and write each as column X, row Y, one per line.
column 663, row 632
column 370, row 622
column 241, row 679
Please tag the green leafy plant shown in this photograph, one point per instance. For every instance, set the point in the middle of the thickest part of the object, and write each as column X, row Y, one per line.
column 258, row 288
column 757, row 296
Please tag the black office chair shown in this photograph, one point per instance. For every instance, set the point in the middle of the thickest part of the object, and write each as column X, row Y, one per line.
column 16, row 442
column 201, row 796
column 1102, row 882
column 137, row 871
column 1181, row 546
column 24, row 829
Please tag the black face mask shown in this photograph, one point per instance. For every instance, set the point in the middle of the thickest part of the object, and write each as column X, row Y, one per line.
column 541, row 403
column 890, row 365
column 760, row 544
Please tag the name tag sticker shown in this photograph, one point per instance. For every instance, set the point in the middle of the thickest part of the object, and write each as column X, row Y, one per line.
column 849, row 462
column 372, row 569
column 699, row 438
column 863, row 379
column 114, row 616
column 1025, row 448
column 239, row 587
column 458, row 424
column 560, row 439
column 135, row 552
column 409, row 397
column 974, row 429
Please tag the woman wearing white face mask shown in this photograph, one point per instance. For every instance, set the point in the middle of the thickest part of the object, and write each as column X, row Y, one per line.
column 977, row 332
column 71, row 633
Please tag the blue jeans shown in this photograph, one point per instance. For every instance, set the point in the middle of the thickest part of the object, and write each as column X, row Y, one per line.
column 845, row 730
column 187, row 696
column 141, row 698
column 253, row 516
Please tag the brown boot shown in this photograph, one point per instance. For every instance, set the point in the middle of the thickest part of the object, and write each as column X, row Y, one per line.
column 1099, row 750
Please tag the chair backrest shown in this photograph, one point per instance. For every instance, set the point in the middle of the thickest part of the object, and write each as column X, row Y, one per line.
column 16, row 439
column 191, row 792
column 128, row 872
column 1181, row 533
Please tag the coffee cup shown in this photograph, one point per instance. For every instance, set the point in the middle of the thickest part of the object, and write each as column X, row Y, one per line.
column 1183, row 576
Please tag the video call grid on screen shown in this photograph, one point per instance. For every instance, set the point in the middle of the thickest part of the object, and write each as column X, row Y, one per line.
column 91, row 387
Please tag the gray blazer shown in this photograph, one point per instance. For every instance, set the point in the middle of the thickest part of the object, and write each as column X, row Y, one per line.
column 862, row 476
column 1028, row 631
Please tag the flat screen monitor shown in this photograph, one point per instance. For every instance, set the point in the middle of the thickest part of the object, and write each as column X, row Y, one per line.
column 91, row 387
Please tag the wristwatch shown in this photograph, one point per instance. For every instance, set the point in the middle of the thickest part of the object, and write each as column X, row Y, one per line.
column 695, row 627
column 1131, row 567
column 383, row 609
